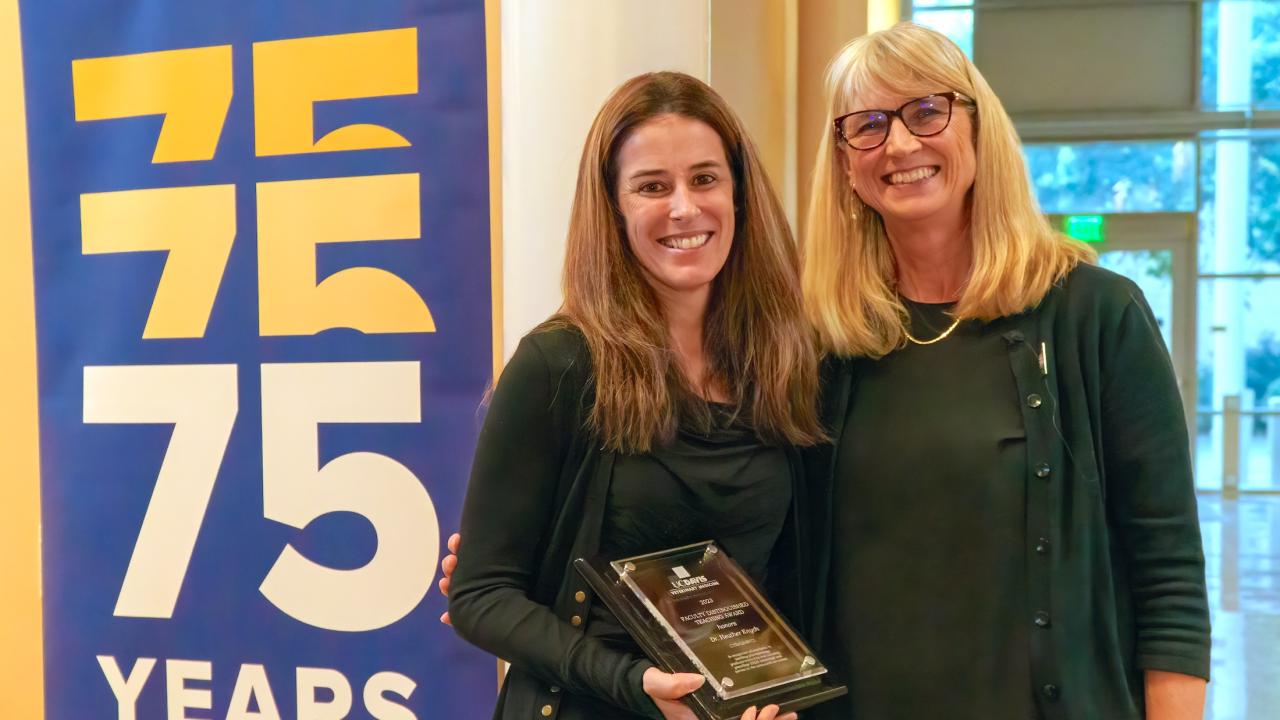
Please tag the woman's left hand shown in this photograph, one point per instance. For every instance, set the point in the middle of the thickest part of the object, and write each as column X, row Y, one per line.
column 666, row 689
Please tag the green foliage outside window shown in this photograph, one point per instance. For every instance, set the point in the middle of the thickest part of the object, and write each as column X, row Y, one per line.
column 1264, row 52
column 1263, row 240
column 1114, row 177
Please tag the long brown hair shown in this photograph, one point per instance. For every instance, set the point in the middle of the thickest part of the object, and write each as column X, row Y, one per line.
column 757, row 342
column 850, row 275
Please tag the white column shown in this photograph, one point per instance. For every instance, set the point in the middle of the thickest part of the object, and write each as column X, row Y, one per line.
column 560, row 60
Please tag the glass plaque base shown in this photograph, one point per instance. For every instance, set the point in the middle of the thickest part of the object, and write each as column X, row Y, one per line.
column 693, row 609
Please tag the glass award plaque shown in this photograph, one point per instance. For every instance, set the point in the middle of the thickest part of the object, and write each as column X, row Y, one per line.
column 693, row 609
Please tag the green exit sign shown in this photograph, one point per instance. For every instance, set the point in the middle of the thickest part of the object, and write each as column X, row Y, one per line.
column 1087, row 228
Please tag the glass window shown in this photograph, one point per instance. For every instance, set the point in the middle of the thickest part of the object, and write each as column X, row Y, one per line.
column 1152, row 270
column 955, row 23
column 1114, row 177
column 1209, row 54
column 1238, row 356
column 1244, row 39
column 1266, row 53
column 1240, row 205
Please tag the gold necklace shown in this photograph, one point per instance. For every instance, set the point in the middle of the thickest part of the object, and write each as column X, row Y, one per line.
column 940, row 338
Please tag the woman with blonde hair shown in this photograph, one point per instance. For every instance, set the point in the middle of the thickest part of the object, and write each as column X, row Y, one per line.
column 1007, row 507
column 661, row 406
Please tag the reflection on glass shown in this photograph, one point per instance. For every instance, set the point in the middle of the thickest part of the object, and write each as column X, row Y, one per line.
column 1242, row 568
column 1114, row 177
column 1238, row 355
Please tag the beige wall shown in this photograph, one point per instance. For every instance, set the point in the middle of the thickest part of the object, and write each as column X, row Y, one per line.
column 768, row 58
column 753, row 52
column 21, row 653
column 825, row 26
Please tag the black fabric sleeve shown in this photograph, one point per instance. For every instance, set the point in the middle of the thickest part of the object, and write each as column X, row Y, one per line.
column 1151, row 493
column 508, row 512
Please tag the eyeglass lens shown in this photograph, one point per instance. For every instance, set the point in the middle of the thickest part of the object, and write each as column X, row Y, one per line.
column 923, row 117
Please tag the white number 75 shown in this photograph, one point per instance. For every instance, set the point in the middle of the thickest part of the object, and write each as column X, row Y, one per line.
column 201, row 402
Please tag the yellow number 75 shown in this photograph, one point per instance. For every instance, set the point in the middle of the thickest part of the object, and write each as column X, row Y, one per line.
column 192, row 89
column 196, row 226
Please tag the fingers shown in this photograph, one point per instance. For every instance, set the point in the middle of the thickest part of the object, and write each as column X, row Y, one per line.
column 685, row 683
column 770, row 712
column 447, row 566
column 669, row 686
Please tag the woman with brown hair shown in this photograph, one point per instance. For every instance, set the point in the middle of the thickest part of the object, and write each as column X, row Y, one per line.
column 661, row 406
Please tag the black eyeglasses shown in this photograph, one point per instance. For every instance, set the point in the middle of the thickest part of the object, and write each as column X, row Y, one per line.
column 922, row 117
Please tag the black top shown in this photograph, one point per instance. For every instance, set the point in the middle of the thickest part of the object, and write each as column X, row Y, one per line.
column 930, row 509
column 535, row 502
column 725, row 486
column 1113, row 566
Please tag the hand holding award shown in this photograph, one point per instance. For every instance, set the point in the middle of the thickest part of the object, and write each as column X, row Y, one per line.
column 693, row 609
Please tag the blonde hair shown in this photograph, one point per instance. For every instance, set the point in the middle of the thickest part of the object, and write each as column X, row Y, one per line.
column 757, row 342
column 849, row 275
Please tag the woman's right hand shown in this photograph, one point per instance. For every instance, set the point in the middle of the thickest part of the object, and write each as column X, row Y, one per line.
column 666, row 689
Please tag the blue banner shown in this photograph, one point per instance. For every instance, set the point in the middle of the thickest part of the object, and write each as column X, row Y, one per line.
column 264, row 325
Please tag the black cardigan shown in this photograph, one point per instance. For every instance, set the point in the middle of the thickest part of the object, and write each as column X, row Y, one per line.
column 536, row 502
column 1114, row 554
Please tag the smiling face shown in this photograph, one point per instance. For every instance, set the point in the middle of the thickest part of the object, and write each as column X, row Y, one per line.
column 912, row 180
column 675, row 191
